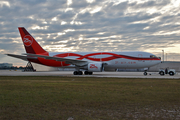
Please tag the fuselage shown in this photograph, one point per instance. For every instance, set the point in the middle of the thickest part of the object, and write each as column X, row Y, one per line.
column 112, row 60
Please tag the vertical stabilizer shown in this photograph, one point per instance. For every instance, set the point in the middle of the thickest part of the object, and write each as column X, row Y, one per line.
column 30, row 43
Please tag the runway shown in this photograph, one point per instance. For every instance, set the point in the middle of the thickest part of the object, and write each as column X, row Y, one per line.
column 95, row 74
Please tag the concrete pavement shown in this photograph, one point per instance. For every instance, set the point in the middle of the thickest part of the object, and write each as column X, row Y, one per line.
column 95, row 74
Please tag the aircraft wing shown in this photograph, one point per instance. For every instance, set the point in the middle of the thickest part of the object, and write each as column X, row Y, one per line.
column 67, row 60
column 21, row 57
column 35, row 56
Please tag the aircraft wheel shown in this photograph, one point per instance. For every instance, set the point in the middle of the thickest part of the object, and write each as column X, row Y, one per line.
column 90, row 73
column 171, row 73
column 75, row 73
column 145, row 73
column 78, row 73
column 86, row 72
column 161, row 73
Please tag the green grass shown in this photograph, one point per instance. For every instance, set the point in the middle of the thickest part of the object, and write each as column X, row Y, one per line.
column 86, row 98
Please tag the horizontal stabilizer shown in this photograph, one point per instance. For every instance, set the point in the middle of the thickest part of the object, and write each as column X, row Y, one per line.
column 21, row 57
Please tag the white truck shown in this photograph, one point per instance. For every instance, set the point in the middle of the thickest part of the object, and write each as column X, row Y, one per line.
column 171, row 72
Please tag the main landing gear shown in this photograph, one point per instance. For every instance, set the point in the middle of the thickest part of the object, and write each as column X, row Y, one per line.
column 78, row 73
column 81, row 73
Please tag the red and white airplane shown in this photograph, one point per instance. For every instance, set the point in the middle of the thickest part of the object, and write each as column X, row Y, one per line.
column 88, row 61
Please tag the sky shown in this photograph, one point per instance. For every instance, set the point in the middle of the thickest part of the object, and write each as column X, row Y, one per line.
column 91, row 25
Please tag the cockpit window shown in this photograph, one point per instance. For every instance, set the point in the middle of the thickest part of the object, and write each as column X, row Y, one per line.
column 153, row 56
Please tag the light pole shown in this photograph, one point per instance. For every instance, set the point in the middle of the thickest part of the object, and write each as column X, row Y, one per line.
column 163, row 55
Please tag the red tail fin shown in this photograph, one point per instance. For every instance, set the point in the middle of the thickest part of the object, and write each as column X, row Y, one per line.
column 30, row 43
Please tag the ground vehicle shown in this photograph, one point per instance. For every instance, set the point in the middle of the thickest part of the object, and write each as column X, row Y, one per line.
column 171, row 72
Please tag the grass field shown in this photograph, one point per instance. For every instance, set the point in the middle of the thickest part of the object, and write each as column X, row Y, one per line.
column 86, row 98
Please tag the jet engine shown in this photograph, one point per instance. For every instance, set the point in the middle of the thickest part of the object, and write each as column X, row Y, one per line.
column 95, row 67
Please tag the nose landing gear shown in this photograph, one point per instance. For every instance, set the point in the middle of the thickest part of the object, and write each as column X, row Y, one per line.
column 145, row 73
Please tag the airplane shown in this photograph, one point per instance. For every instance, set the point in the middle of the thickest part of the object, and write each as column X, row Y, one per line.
column 88, row 62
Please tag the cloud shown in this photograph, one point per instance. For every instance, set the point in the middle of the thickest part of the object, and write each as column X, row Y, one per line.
column 91, row 25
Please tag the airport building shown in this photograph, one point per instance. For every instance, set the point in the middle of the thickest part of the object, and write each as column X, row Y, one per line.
column 6, row 65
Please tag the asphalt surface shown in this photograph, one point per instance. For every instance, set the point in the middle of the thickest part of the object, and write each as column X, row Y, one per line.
column 95, row 74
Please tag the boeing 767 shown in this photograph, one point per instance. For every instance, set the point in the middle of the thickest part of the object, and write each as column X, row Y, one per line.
column 88, row 62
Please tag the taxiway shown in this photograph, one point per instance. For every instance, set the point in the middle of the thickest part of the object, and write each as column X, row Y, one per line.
column 95, row 74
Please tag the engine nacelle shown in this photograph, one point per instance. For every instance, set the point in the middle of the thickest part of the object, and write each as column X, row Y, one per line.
column 95, row 67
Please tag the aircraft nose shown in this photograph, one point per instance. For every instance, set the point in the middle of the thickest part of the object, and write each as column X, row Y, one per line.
column 158, row 61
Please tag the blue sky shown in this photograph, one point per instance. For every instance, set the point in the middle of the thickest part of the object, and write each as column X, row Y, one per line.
column 91, row 25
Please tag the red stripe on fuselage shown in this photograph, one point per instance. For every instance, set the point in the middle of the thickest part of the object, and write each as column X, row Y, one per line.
column 113, row 56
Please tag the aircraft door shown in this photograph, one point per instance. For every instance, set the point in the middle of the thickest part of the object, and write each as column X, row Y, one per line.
column 140, row 56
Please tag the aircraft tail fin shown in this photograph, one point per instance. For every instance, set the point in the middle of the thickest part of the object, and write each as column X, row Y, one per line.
column 30, row 43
